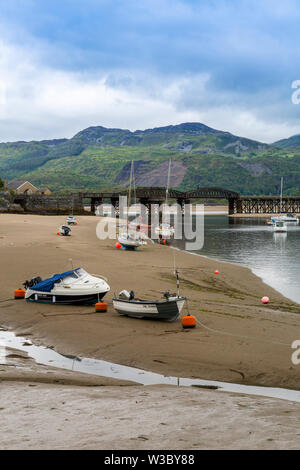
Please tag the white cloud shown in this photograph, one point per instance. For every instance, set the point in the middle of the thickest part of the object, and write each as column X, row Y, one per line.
column 39, row 102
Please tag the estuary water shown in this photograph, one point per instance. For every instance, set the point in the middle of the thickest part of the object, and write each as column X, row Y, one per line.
column 250, row 242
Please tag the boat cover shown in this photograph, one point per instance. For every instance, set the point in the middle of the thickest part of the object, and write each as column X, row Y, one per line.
column 47, row 284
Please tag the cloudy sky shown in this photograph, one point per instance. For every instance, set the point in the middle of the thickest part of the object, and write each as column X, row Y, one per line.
column 70, row 64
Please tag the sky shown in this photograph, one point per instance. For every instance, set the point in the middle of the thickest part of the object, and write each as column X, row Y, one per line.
column 66, row 65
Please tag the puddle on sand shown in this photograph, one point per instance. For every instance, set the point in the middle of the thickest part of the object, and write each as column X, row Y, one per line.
column 49, row 357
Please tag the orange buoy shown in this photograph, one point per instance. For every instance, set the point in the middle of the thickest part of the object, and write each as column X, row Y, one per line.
column 188, row 321
column 19, row 294
column 76, row 223
column 101, row 307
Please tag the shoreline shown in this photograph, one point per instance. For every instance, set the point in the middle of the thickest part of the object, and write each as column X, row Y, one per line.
column 33, row 394
column 219, row 310
column 264, row 281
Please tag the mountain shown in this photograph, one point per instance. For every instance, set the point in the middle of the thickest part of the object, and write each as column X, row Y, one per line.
column 98, row 158
column 290, row 143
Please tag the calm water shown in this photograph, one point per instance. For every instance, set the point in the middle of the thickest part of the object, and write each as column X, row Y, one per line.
column 275, row 257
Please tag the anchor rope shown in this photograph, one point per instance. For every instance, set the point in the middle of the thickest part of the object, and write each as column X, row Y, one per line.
column 226, row 333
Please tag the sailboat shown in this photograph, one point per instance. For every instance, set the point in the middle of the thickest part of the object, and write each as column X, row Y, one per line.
column 130, row 239
column 165, row 230
column 288, row 217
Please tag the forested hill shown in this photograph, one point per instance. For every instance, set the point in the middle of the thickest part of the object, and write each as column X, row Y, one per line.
column 98, row 158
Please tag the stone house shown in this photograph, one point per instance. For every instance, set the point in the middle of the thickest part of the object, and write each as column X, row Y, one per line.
column 44, row 190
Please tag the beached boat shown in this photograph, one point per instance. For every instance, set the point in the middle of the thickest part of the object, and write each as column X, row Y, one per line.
column 165, row 231
column 71, row 287
column 130, row 241
column 279, row 226
column 71, row 220
column 64, row 230
column 168, row 309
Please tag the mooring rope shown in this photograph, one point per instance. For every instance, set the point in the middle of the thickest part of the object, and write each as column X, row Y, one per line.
column 226, row 333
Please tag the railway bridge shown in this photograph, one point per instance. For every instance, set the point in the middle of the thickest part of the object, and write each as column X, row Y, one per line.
column 156, row 195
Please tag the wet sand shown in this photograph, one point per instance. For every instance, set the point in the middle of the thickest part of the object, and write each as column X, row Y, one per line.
column 228, row 302
column 242, row 341
column 88, row 412
column 43, row 416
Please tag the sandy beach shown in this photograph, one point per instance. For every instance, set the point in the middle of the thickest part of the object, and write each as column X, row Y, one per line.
column 239, row 340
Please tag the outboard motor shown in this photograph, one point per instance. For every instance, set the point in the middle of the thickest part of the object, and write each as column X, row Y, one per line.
column 124, row 295
column 131, row 293
column 32, row 282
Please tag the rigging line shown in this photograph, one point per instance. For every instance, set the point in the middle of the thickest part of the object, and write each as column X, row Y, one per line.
column 226, row 333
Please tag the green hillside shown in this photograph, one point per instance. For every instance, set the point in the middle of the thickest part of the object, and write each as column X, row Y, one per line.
column 98, row 158
column 290, row 143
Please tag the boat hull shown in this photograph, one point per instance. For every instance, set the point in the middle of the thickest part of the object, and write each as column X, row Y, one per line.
column 125, row 246
column 167, row 311
column 59, row 299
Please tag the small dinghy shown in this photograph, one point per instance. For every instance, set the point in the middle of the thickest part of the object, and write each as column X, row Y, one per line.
column 169, row 309
column 71, row 287
column 71, row 220
column 64, row 231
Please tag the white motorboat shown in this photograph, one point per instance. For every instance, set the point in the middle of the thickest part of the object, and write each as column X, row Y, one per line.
column 71, row 220
column 168, row 309
column 71, row 287
column 289, row 217
column 279, row 226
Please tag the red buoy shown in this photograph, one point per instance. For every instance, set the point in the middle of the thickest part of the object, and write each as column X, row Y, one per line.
column 265, row 300
column 19, row 294
column 217, row 272
column 118, row 245
column 188, row 321
column 101, row 307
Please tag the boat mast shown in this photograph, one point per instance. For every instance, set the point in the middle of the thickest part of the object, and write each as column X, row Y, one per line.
column 281, row 192
column 168, row 181
column 130, row 183
column 129, row 192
